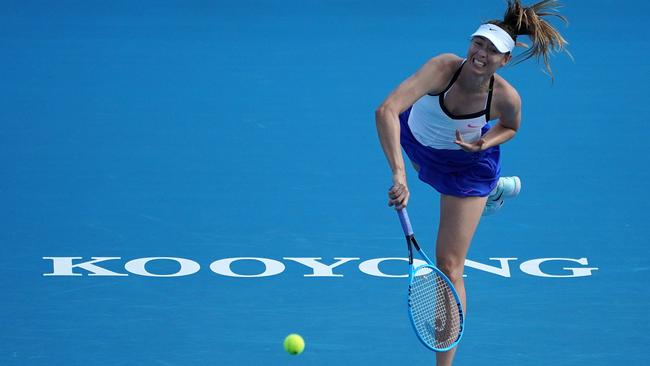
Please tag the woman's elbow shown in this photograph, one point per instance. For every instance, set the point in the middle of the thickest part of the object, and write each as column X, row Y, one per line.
column 383, row 111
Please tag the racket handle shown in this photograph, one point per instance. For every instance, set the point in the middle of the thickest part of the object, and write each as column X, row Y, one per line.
column 404, row 220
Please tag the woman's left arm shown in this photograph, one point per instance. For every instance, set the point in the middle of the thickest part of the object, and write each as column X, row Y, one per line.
column 509, row 111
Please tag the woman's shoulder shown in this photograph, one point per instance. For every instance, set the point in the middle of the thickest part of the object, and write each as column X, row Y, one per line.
column 449, row 57
column 439, row 70
column 445, row 61
column 504, row 94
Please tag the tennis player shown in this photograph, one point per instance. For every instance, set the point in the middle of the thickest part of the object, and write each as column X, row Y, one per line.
column 440, row 117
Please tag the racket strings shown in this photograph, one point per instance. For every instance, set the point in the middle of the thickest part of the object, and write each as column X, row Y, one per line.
column 434, row 309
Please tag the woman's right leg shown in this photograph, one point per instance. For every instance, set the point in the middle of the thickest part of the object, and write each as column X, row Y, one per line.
column 459, row 218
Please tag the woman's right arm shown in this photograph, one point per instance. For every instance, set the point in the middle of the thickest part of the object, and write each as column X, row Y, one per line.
column 432, row 76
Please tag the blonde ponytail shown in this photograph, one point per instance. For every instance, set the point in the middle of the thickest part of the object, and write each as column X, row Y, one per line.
column 521, row 20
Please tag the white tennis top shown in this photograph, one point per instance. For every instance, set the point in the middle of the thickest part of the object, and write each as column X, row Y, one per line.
column 434, row 126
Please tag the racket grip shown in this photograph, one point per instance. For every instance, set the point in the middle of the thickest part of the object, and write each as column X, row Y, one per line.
column 404, row 220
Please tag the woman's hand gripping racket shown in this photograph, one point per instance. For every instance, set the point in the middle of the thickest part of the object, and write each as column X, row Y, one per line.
column 434, row 306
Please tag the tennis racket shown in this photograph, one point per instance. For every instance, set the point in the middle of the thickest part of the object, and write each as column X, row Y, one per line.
column 434, row 306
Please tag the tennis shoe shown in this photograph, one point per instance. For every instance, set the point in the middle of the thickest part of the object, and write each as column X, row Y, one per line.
column 507, row 187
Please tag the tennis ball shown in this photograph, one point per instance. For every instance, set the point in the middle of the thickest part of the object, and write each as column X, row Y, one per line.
column 294, row 344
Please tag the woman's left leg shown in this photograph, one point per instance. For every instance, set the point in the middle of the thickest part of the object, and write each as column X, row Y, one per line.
column 459, row 218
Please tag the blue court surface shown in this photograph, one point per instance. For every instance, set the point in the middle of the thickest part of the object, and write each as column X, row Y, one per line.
column 187, row 182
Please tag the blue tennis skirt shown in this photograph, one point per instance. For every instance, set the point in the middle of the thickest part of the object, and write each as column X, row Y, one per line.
column 452, row 172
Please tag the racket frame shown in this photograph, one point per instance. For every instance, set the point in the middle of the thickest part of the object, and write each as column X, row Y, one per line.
column 411, row 242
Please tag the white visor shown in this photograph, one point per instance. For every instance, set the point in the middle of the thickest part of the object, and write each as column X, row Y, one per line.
column 500, row 38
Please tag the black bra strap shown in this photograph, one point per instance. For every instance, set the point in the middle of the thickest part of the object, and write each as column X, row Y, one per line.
column 489, row 99
column 453, row 79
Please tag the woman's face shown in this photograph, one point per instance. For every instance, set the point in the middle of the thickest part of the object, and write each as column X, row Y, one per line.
column 484, row 57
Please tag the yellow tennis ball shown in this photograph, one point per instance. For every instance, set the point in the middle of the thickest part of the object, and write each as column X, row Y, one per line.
column 294, row 344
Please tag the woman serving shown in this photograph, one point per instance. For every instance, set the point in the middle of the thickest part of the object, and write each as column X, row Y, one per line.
column 440, row 116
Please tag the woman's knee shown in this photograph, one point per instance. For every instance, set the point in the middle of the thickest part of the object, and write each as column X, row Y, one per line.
column 452, row 267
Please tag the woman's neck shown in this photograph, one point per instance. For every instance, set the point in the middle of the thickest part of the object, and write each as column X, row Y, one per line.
column 473, row 84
